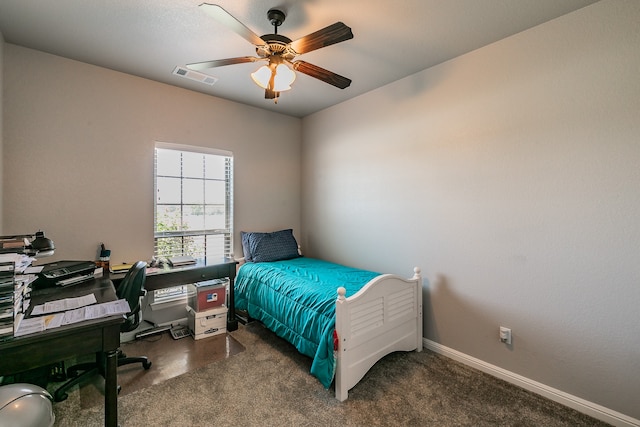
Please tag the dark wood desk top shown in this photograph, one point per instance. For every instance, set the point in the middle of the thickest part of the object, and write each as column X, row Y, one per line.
column 102, row 288
column 166, row 277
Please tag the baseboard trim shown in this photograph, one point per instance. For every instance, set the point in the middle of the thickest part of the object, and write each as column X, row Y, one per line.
column 592, row 409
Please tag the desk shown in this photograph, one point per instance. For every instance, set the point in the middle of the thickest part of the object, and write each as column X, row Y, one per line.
column 199, row 272
column 53, row 345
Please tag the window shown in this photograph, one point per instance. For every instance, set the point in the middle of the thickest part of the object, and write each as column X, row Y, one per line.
column 194, row 201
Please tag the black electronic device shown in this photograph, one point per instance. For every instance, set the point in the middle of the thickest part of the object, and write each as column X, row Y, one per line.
column 64, row 273
column 179, row 331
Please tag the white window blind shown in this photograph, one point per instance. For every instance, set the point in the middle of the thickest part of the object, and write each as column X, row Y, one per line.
column 193, row 201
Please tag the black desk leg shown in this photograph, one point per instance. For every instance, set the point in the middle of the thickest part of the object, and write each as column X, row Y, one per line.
column 111, row 389
column 232, row 322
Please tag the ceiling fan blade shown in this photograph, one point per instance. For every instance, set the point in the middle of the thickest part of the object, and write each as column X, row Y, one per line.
column 199, row 66
column 225, row 18
column 321, row 74
column 327, row 36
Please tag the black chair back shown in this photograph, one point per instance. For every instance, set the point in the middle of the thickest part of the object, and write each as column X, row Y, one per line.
column 131, row 288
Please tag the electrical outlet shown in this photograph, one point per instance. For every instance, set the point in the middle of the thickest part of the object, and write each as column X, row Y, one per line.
column 505, row 335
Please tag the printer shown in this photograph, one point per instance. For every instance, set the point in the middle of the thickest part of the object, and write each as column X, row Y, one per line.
column 64, row 273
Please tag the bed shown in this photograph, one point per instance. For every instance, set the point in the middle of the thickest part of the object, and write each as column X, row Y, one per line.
column 345, row 319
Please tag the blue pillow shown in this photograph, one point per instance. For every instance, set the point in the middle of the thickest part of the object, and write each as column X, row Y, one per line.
column 267, row 247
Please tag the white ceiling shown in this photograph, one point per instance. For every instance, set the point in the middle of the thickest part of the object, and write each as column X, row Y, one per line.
column 392, row 39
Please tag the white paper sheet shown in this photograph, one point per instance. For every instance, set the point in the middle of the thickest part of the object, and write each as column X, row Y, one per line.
column 63, row 304
column 97, row 311
column 40, row 323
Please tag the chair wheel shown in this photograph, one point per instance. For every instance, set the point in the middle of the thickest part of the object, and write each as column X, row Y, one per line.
column 60, row 397
column 119, row 388
column 146, row 365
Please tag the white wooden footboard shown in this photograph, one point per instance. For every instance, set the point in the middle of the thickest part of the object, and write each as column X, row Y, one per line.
column 383, row 317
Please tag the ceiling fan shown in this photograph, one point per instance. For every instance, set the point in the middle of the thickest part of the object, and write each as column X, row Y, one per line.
column 279, row 52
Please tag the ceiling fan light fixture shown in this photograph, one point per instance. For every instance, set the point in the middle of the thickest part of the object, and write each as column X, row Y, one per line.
column 261, row 76
column 283, row 77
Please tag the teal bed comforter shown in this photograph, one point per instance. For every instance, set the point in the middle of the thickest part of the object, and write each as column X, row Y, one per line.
column 296, row 299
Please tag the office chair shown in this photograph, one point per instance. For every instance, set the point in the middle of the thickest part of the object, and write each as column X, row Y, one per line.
column 131, row 289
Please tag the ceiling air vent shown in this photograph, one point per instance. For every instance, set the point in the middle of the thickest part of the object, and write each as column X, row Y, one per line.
column 194, row 75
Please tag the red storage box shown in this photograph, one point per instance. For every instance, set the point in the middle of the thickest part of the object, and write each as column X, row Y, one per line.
column 207, row 295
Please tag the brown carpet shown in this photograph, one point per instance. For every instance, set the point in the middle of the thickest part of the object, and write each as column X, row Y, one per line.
column 269, row 385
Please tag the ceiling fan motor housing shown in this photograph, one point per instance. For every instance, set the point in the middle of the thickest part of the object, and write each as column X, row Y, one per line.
column 276, row 17
column 276, row 44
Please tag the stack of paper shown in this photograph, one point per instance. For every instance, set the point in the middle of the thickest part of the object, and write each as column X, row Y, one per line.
column 120, row 268
column 21, row 261
column 7, row 309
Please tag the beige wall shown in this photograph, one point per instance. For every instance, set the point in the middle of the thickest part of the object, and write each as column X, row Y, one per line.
column 510, row 175
column 78, row 144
